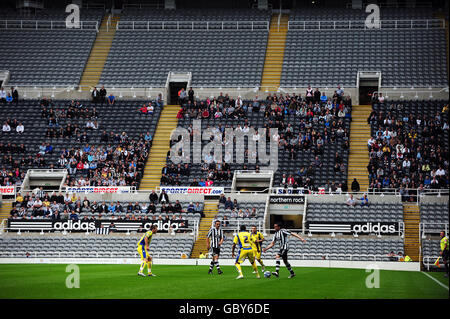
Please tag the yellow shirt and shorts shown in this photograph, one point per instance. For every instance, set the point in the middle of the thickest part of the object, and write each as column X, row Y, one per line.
column 243, row 239
column 141, row 245
column 257, row 246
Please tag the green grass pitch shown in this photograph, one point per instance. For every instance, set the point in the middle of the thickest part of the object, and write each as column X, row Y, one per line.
column 43, row 281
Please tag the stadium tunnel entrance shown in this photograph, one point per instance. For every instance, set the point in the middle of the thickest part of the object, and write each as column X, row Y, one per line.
column 288, row 221
column 366, row 93
column 174, row 87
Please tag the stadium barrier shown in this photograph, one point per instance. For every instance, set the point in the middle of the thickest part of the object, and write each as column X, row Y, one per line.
column 192, row 25
column 361, row 24
column 382, row 265
column 432, row 228
column 395, row 93
column 45, row 25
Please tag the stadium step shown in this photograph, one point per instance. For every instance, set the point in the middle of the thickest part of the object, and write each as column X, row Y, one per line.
column 210, row 209
column 359, row 155
column 98, row 55
column 5, row 210
column 273, row 64
column 160, row 146
column 411, row 218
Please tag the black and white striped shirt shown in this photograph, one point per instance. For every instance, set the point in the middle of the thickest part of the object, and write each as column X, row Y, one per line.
column 282, row 236
column 215, row 235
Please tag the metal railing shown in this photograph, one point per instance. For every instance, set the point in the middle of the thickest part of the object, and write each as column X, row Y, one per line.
column 401, row 93
column 38, row 90
column 432, row 228
column 45, row 25
column 361, row 24
column 156, row 4
column 295, row 89
column 395, row 4
column 192, row 25
column 236, row 223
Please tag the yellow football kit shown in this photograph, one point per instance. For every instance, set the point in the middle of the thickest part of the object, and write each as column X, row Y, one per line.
column 257, row 246
column 243, row 239
column 141, row 244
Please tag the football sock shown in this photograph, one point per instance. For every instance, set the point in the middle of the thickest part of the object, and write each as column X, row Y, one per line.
column 142, row 266
column 217, row 265
column 277, row 268
column 261, row 262
column 239, row 268
column 255, row 268
column 211, row 265
column 288, row 266
column 149, row 266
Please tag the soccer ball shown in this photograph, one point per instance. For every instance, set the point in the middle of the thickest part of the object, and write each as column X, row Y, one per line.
column 267, row 274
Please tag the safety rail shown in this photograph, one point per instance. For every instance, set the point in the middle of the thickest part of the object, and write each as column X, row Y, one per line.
column 135, row 92
column 46, row 25
column 192, row 25
column 108, row 22
column 296, row 89
column 361, row 24
column 236, row 223
column 289, row 191
column 432, row 228
column 418, row 93
column 158, row 4
column 417, row 4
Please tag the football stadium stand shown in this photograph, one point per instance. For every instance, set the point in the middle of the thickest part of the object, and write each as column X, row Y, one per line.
column 56, row 134
column 300, row 71
column 92, row 247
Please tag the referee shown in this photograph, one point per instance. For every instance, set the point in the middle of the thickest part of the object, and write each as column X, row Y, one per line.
column 214, row 240
column 282, row 237
column 444, row 251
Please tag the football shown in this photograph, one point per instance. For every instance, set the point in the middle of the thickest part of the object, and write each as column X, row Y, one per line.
column 267, row 274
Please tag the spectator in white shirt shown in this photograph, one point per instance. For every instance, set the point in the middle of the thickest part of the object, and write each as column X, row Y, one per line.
column 20, row 128
column 440, row 171
column 351, row 201
column 6, row 127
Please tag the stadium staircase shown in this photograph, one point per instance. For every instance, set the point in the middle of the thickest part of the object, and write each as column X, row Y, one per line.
column 273, row 64
column 411, row 218
column 210, row 210
column 359, row 155
column 161, row 145
column 5, row 210
column 99, row 53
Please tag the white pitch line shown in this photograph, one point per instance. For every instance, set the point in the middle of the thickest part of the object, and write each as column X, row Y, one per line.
column 440, row 283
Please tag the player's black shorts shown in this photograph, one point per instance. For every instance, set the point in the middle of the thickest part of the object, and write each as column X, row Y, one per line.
column 216, row 251
column 283, row 253
column 445, row 255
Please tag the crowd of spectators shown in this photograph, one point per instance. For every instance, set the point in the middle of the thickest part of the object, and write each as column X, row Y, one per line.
column 321, row 120
column 59, row 206
column 408, row 151
column 56, row 115
column 120, row 162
